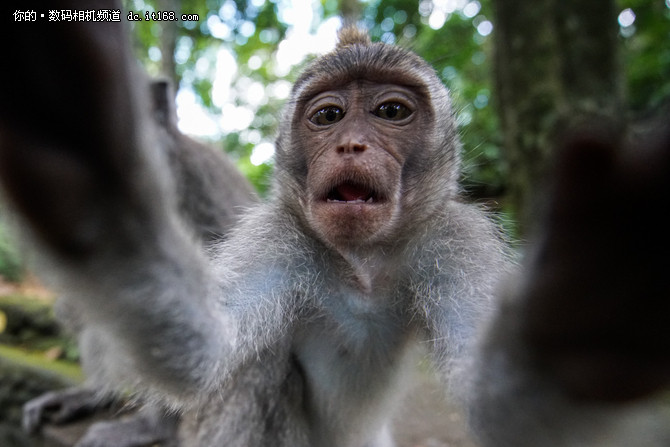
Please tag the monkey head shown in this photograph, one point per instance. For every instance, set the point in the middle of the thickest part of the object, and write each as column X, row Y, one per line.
column 368, row 139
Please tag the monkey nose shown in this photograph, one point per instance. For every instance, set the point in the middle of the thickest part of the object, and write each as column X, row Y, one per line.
column 351, row 148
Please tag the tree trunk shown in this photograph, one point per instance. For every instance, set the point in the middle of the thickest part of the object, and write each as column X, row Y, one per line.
column 350, row 11
column 168, row 40
column 556, row 67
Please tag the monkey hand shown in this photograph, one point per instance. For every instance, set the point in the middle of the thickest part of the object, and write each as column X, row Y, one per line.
column 73, row 146
column 60, row 407
column 596, row 298
column 150, row 426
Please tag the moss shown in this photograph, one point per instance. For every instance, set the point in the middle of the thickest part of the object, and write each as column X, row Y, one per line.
column 24, row 377
column 65, row 370
column 30, row 324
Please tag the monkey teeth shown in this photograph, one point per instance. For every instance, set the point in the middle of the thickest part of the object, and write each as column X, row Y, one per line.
column 370, row 200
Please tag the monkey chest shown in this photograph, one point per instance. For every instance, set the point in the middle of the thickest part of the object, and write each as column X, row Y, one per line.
column 351, row 357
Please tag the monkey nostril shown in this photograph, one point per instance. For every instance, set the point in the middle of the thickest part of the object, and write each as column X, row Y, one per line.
column 351, row 148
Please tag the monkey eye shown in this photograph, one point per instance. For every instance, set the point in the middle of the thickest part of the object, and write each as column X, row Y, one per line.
column 327, row 116
column 392, row 111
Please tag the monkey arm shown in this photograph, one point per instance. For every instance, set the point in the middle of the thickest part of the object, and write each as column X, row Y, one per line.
column 183, row 324
column 79, row 162
column 75, row 139
column 581, row 339
column 461, row 274
column 163, row 312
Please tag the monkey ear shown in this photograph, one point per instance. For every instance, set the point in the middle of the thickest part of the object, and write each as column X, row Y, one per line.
column 352, row 35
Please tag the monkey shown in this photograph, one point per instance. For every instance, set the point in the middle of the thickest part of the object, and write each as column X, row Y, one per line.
column 211, row 194
column 319, row 306
column 211, row 191
column 295, row 330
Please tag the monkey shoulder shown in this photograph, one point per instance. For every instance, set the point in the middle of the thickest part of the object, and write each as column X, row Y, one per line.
column 267, row 243
column 460, row 237
column 457, row 263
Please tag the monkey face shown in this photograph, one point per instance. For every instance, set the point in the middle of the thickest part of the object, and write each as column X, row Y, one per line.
column 357, row 140
column 367, row 146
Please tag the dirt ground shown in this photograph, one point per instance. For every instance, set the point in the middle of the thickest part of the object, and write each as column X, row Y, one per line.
column 426, row 419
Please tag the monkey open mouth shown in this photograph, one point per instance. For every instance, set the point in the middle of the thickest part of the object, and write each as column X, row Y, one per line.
column 349, row 192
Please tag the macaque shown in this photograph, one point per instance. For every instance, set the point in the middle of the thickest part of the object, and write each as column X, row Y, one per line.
column 297, row 329
column 211, row 192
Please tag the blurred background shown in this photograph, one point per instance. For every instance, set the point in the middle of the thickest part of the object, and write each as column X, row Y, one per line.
column 521, row 74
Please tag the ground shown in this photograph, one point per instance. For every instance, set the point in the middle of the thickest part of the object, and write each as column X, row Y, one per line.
column 426, row 419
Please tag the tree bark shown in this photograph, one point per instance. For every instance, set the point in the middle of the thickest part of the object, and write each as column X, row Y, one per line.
column 168, row 41
column 556, row 67
column 350, row 11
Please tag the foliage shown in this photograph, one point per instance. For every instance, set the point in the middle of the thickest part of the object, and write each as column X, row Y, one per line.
column 11, row 265
column 646, row 55
column 250, row 32
column 30, row 324
column 68, row 370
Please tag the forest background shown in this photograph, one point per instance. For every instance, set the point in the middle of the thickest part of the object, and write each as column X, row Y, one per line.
column 520, row 74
